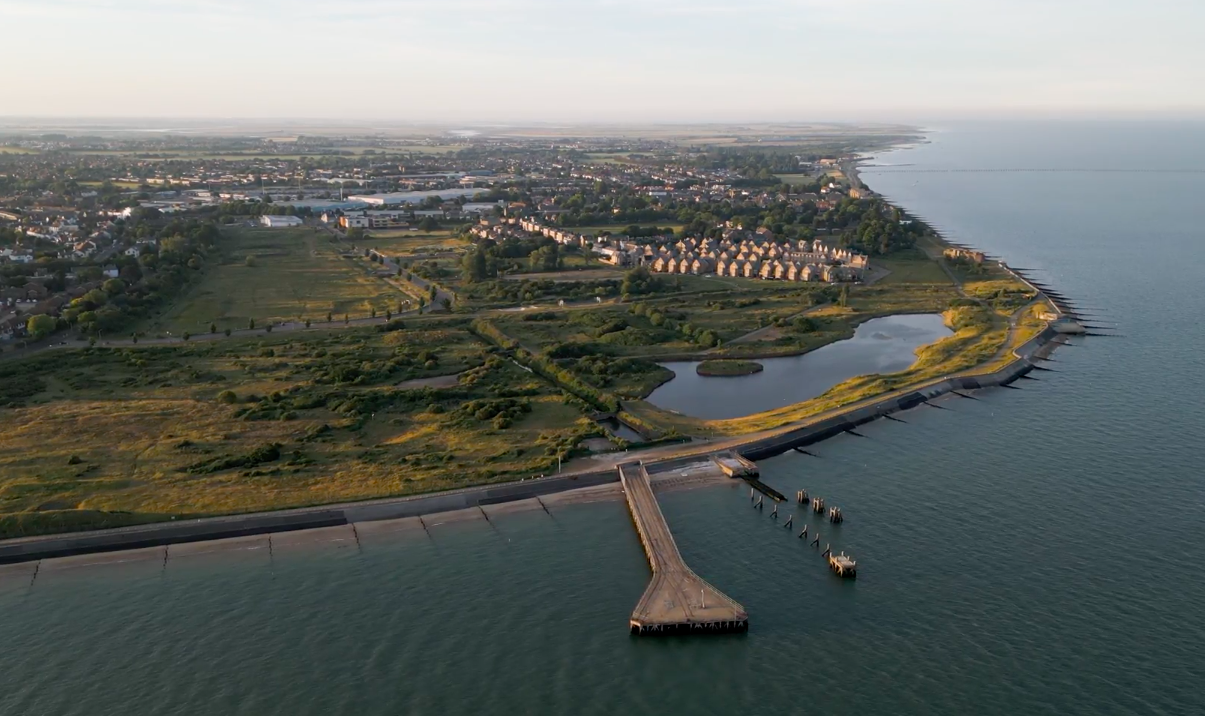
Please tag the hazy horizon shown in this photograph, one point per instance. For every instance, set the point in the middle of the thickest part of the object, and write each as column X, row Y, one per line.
column 604, row 61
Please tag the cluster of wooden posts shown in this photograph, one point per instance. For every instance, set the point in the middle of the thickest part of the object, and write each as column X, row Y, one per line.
column 841, row 564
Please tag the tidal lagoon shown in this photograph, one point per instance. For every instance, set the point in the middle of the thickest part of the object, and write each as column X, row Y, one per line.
column 880, row 345
column 1033, row 551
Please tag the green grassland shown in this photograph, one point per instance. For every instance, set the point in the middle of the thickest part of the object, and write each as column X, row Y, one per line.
column 125, row 185
column 400, row 242
column 617, row 229
column 912, row 267
column 142, row 433
column 294, row 274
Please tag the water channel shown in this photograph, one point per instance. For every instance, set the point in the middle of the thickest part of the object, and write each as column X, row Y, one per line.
column 880, row 345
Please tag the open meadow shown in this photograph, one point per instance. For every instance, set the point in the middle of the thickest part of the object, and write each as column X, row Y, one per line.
column 276, row 275
column 106, row 436
column 400, row 242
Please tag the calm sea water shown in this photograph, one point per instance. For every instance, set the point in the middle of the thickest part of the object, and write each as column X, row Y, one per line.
column 1036, row 551
column 880, row 345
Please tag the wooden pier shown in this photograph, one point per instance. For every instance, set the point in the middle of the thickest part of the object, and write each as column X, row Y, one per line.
column 677, row 599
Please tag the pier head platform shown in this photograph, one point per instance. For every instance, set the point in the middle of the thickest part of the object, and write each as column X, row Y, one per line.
column 677, row 600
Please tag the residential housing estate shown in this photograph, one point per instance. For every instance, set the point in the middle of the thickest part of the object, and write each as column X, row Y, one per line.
column 759, row 256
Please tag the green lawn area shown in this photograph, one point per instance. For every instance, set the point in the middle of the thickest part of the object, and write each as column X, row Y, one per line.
column 424, row 149
column 396, row 241
column 610, row 157
column 297, row 274
column 620, row 228
column 912, row 267
column 116, row 184
column 794, row 178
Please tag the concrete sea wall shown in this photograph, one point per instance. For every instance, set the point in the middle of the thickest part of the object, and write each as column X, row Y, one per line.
column 162, row 533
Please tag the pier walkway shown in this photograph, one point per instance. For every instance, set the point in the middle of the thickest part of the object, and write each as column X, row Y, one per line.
column 677, row 599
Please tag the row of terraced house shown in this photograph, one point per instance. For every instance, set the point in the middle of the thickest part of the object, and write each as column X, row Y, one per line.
column 759, row 258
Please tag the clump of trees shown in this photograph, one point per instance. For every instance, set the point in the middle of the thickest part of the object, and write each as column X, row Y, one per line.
column 675, row 321
column 263, row 454
column 488, row 258
column 640, row 281
column 146, row 282
column 501, row 412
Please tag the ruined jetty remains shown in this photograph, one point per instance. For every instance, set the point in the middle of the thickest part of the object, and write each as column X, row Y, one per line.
column 842, row 565
column 677, row 599
column 733, row 465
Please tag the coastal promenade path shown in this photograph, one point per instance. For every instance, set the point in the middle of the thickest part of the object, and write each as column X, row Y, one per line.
column 676, row 599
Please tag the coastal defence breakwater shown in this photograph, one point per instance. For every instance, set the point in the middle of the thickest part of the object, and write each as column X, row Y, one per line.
column 29, row 549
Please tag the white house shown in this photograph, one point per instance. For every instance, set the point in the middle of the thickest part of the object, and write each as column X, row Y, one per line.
column 276, row 222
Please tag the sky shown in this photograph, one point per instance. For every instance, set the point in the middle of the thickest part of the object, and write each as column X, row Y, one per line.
column 602, row 60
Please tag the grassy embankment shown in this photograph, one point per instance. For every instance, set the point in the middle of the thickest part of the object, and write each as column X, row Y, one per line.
column 276, row 275
column 100, row 437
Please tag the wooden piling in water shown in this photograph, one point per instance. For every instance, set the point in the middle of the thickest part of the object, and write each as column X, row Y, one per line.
column 842, row 565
